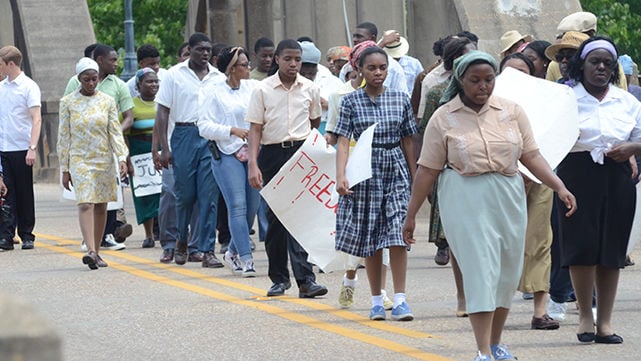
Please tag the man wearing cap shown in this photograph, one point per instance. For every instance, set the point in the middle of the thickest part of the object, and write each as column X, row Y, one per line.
column 337, row 57
column 511, row 41
column 20, row 121
column 328, row 84
column 398, row 51
column 563, row 51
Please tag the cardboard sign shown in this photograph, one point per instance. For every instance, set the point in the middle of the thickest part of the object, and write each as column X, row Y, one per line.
column 146, row 180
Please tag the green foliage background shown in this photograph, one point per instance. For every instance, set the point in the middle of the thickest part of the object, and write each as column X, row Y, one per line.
column 157, row 22
column 621, row 21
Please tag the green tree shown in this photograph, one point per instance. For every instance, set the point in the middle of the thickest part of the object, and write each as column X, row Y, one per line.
column 620, row 20
column 157, row 22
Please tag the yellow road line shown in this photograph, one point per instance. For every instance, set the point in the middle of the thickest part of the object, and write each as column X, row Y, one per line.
column 265, row 307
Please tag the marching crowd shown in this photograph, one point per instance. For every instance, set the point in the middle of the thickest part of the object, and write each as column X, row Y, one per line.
column 220, row 127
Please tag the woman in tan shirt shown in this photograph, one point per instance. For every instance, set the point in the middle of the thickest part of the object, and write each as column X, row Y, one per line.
column 474, row 142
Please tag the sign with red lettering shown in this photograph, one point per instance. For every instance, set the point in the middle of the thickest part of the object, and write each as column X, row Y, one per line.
column 302, row 195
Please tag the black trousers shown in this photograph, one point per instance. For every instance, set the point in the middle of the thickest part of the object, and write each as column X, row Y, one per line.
column 278, row 242
column 18, row 177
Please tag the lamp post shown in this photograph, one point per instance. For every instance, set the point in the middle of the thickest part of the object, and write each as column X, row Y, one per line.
column 130, row 55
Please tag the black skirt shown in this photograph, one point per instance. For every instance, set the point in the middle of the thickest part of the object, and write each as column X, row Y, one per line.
column 599, row 231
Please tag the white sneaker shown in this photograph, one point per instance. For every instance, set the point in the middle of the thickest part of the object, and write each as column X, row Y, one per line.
column 232, row 262
column 557, row 310
column 248, row 269
column 83, row 246
column 110, row 243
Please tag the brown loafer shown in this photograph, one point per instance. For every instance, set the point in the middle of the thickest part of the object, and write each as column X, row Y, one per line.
column 167, row 256
column 544, row 323
column 195, row 257
column 90, row 260
column 100, row 262
column 180, row 254
column 210, row 260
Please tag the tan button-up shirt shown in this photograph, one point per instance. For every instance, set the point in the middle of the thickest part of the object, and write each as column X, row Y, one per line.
column 475, row 143
column 284, row 113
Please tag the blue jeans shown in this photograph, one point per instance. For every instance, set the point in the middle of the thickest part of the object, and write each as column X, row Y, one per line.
column 262, row 219
column 194, row 181
column 168, row 230
column 241, row 199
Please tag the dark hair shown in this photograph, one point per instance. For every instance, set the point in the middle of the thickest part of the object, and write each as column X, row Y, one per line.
column 217, row 48
column 101, row 50
column 182, row 47
column 287, row 44
column 305, row 38
column 439, row 45
column 147, row 51
column 452, row 50
column 263, row 43
column 89, row 50
column 466, row 34
column 226, row 55
column 520, row 56
column 369, row 51
column 575, row 66
column 196, row 38
column 539, row 46
column 370, row 27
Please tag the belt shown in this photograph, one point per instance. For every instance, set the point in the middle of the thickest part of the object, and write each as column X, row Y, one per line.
column 386, row 145
column 186, row 124
column 286, row 144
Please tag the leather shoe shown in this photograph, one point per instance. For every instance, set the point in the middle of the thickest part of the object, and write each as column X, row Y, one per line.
column 195, row 257
column 90, row 260
column 609, row 339
column 6, row 245
column 544, row 322
column 100, row 262
column 278, row 289
column 180, row 254
column 167, row 256
column 28, row 244
column 442, row 256
column 210, row 260
column 585, row 337
column 311, row 290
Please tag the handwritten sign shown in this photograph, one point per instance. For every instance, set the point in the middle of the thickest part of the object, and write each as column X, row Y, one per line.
column 303, row 197
column 146, row 180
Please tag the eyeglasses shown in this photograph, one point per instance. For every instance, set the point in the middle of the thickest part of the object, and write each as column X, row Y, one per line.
column 244, row 65
column 564, row 55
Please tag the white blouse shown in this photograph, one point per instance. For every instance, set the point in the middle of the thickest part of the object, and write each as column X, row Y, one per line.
column 613, row 120
column 221, row 108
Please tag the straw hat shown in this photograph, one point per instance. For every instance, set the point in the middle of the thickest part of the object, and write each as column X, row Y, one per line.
column 581, row 22
column 397, row 48
column 570, row 40
column 512, row 37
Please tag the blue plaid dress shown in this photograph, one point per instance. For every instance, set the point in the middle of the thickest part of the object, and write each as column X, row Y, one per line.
column 372, row 217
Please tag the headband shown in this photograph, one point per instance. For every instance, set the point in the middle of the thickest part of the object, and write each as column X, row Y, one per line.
column 142, row 72
column 598, row 44
column 234, row 59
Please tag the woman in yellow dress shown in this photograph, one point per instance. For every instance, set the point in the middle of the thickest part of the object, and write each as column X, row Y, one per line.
column 88, row 136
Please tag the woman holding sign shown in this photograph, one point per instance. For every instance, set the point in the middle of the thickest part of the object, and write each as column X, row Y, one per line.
column 222, row 120
column 472, row 143
column 370, row 214
column 88, row 135
column 140, row 143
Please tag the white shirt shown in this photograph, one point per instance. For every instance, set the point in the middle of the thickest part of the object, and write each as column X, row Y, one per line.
column 395, row 75
column 179, row 92
column 433, row 78
column 412, row 68
column 131, row 83
column 222, row 108
column 17, row 97
column 602, row 125
column 328, row 84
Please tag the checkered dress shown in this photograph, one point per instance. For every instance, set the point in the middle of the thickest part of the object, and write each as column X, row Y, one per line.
column 372, row 217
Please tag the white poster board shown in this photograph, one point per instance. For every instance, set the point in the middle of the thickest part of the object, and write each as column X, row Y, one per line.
column 551, row 109
column 301, row 195
column 111, row 206
column 146, row 180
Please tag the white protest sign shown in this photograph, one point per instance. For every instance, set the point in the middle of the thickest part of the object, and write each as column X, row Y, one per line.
column 359, row 163
column 111, row 206
column 146, row 180
column 551, row 109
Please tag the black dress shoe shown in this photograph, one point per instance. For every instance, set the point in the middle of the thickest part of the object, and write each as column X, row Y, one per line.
column 6, row 245
column 167, row 256
column 180, row 254
column 585, row 337
column 28, row 244
column 311, row 290
column 611, row 339
column 278, row 289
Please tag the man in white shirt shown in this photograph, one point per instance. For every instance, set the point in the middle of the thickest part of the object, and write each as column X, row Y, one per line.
column 189, row 154
column 20, row 122
column 397, row 50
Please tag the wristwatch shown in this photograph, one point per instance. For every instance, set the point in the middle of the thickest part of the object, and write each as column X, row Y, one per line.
column 33, row 147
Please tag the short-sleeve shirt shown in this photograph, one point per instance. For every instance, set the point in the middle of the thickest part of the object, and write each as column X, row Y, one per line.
column 472, row 143
column 111, row 85
column 412, row 68
column 17, row 97
column 284, row 113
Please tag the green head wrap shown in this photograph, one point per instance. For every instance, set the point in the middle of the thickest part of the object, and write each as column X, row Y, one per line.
column 460, row 67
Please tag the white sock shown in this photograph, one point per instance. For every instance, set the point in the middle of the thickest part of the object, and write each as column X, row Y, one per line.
column 377, row 300
column 350, row 283
column 398, row 299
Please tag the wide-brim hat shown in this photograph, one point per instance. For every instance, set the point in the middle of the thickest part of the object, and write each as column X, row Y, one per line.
column 512, row 37
column 397, row 48
column 570, row 40
column 582, row 22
